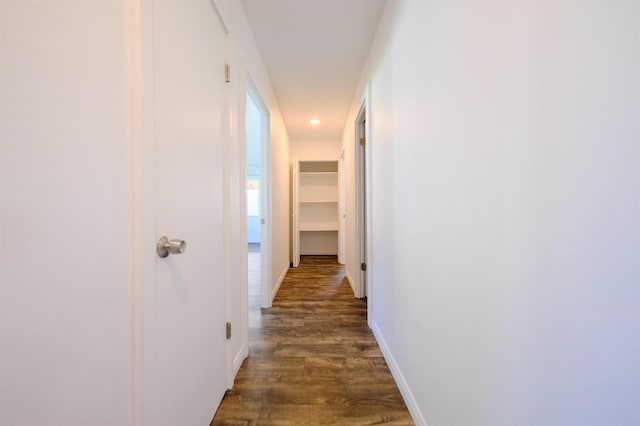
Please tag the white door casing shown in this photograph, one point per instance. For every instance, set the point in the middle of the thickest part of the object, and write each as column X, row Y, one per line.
column 361, row 202
column 296, row 208
column 342, row 215
column 265, row 193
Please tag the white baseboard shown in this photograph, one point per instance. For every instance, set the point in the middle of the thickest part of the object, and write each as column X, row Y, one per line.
column 279, row 282
column 352, row 283
column 239, row 359
column 418, row 418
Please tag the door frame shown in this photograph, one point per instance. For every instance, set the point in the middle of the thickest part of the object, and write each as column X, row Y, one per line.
column 363, row 198
column 295, row 225
column 265, row 212
column 265, row 193
column 342, row 205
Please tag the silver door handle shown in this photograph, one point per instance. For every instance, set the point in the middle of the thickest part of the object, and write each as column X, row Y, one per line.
column 166, row 247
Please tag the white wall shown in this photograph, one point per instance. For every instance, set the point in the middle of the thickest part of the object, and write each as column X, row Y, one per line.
column 309, row 150
column 65, row 225
column 245, row 59
column 506, row 187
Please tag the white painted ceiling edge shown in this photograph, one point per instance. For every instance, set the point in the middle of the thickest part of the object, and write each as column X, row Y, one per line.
column 314, row 52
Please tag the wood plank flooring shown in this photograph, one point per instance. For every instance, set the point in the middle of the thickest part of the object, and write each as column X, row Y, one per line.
column 313, row 359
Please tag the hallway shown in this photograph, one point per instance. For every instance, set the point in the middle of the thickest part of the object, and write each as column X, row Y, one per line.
column 312, row 358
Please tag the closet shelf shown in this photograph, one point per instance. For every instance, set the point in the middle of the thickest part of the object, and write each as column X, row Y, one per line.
column 316, row 220
column 317, row 201
column 311, row 227
column 318, row 173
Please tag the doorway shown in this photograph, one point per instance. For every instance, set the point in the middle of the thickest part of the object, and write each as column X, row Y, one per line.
column 258, row 197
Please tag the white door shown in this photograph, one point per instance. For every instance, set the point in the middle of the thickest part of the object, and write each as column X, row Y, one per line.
column 294, row 202
column 187, row 379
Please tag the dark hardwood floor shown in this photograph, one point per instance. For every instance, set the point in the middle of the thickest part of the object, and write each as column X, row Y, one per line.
column 312, row 358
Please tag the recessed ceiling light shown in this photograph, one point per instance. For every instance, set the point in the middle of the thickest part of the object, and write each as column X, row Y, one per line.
column 314, row 121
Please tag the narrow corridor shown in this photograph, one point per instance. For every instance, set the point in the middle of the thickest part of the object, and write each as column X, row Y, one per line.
column 312, row 358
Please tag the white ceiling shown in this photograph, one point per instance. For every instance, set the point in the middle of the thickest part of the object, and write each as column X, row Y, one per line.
column 314, row 51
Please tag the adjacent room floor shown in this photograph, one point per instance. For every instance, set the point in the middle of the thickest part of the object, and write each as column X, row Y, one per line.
column 312, row 358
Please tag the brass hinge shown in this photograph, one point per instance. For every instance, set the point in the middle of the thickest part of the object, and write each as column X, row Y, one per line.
column 228, row 330
column 363, row 266
column 363, row 141
column 227, row 73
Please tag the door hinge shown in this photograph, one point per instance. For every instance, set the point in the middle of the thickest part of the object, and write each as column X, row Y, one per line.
column 363, row 141
column 363, row 266
column 228, row 330
column 227, row 73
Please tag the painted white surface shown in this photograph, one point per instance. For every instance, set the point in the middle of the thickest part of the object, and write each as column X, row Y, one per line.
column 245, row 59
column 316, row 150
column 188, row 377
column 506, row 188
column 78, row 215
column 65, row 225
column 295, row 214
column 314, row 51
column 342, row 214
column 362, row 212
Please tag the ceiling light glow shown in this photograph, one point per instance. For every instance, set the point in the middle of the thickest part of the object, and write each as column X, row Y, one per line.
column 314, row 121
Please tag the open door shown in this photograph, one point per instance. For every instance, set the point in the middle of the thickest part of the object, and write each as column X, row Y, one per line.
column 295, row 227
column 185, row 375
column 361, row 203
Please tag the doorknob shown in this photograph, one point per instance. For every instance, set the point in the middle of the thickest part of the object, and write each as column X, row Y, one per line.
column 166, row 247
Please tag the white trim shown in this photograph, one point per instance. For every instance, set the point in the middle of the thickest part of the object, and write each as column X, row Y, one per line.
column 409, row 399
column 364, row 114
column 352, row 283
column 295, row 226
column 279, row 283
column 251, row 90
column 369, row 204
column 243, row 252
column 359, row 289
column 228, row 208
column 238, row 360
column 342, row 201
